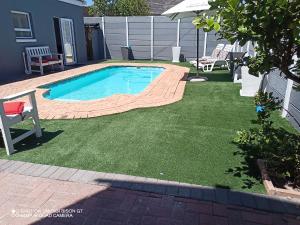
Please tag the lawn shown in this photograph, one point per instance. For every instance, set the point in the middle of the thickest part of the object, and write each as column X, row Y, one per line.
column 189, row 141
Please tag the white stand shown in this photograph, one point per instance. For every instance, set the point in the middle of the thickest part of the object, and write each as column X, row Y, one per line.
column 176, row 54
column 250, row 83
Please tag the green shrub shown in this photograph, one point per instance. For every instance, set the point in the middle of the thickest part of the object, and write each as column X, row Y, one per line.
column 279, row 148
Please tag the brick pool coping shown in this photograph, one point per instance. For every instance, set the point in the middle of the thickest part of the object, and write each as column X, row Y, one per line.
column 166, row 89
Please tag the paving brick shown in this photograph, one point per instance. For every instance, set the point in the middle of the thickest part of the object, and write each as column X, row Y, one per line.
column 149, row 220
column 30, row 170
column 262, row 203
column 191, row 219
column 3, row 161
column 155, row 202
column 234, row 198
column 248, row 200
column 209, row 194
column 58, row 173
column 40, row 170
column 14, row 167
column 134, row 220
column 257, row 217
column 205, row 219
column 24, row 167
column 219, row 209
column 221, row 195
column 221, row 220
column 67, row 174
column 204, row 208
column 6, row 165
column 184, row 192
column 48, row 172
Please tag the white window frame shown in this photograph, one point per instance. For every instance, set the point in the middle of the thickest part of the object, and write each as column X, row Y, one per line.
column 24, row 29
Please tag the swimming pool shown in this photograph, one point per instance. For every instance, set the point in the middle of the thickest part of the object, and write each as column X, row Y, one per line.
column 103, row 83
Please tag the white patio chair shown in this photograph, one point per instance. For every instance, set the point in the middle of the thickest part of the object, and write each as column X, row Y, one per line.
column 214, row 54
column 7, row 121
column 221, row 60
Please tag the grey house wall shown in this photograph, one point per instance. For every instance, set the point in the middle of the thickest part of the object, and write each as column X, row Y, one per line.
column 277, row 84
column 139, row 37
column 42, row 14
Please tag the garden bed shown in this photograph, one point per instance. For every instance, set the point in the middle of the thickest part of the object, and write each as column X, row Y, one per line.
column 271, row 187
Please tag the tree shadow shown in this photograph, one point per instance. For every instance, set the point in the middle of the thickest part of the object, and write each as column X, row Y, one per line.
column 251, row 152
column 248, row 167
column 31, row 142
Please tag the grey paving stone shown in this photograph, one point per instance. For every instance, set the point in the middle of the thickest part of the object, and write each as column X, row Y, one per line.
column 292, row 208
column 4, row 166
column 184, row 192
column 48, row 172
column 58, row 173
column 248, row 200
column 97, row 178
column 197, row 193
column 277, row 205
column 30, row 170
column 121, row 177
column 209, row 194
column 83, row 176
column 88, row 176
column 148, row 187
column 262, row 203
column 24, row 167
column 67, row 174
column 234, row 198
column 172, row 190
column 158, row 189
column 3, row 161
column 77, row 176
column 40, row 170
column 14, row 167
column 138, row 187
column 121, row 184
column 221, row 195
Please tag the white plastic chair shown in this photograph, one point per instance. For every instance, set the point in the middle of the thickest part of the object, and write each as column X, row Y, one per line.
column 7, row 121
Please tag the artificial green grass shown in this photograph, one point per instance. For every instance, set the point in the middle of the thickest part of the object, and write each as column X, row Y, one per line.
column 188, row 141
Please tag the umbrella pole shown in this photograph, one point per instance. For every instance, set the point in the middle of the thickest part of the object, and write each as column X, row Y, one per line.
column 197, row 51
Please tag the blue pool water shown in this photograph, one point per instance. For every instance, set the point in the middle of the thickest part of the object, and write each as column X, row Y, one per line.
column 103, row 83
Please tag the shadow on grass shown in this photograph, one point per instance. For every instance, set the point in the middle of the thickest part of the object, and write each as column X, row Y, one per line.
column 216, row 76
column 279, row 151
column 31, row 142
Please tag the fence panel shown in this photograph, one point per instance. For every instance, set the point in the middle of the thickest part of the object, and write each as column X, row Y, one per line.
column 140, row 36
column 115, row 33
column 165, row 36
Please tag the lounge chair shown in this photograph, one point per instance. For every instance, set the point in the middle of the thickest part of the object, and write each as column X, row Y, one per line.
column 221, row 60
column 214, row 54
column 12, row 113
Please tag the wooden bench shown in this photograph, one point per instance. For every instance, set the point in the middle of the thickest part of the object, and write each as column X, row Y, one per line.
column 41, row 57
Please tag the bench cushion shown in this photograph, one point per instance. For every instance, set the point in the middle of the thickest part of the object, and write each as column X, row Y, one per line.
column 12, row 108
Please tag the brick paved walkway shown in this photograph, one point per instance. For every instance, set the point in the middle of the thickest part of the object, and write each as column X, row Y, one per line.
column 31, row 193
column 166, row 89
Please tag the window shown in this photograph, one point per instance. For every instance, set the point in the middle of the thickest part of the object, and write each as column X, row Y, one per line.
column 22, row 25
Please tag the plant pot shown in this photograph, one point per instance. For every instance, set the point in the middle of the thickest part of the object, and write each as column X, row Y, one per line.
column 269, row 186
column 176, row 54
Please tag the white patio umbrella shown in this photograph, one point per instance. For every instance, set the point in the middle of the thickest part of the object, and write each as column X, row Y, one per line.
column 186, row 9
